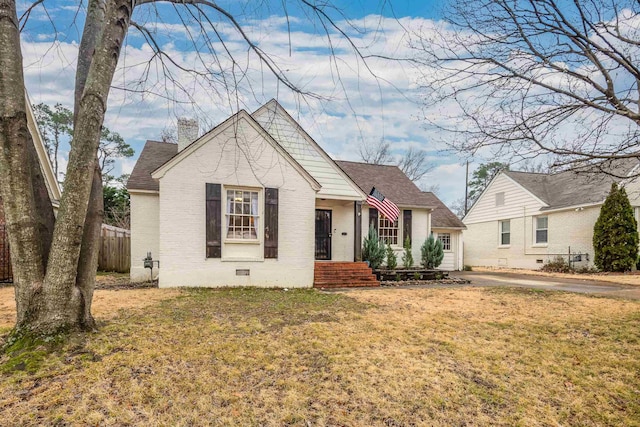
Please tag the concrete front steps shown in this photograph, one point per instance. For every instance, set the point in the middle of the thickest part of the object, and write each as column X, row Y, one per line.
column 330, row 274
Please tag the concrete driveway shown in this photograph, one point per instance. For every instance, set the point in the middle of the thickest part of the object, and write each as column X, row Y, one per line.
column 549, row 283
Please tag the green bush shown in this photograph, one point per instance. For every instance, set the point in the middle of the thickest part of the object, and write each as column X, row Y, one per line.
column 373, row 249
column 615, row 235
column 432, row 253
column 407, row 256
column 392, row 258
column 467, row 268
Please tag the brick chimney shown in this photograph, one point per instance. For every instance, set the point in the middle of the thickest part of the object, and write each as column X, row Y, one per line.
column 187, row 132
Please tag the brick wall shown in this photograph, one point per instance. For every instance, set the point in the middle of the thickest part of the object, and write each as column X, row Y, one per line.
column 239, row 156
column 568, row 228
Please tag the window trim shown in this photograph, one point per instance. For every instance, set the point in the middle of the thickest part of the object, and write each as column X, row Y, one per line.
column 536, row 243
column 501, row 233
column 225, row 227
column 398, row 227
column 438, row 235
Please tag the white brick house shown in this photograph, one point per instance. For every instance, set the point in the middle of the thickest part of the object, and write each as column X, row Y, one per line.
column 523, row 220
column 257, row 202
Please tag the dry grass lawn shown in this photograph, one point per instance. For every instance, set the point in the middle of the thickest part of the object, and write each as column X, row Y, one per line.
column 106, row 303
column 438, row 357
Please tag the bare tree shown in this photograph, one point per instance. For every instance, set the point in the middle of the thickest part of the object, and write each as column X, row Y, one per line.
column 431, row 188
column 533, row 167
column 457, row 207
column 536, row 77
column 169, row 134
column 54, row 267
column 377, row 153
column 412, row 162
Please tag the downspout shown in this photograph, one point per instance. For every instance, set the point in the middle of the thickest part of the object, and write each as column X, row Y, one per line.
column 524, row 230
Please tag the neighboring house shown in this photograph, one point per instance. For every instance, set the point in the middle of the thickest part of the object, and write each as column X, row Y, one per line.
column 523, row 219
column 256, row 201
column 52, row 187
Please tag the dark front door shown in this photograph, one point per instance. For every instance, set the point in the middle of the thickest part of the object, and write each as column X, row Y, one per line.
column 323, row 234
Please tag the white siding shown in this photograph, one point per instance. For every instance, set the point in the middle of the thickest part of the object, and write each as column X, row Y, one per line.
column 342, row 221
column 516, row 201
column 567, row 229
column 420, row 229
column 294, row 141
column 145, row 230
column 239, row 156
column 451, row 261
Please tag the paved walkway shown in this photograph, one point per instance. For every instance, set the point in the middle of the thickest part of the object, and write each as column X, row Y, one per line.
column 485, row 279
column 584, row 286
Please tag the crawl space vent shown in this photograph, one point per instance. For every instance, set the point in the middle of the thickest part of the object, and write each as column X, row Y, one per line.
column 242, row 272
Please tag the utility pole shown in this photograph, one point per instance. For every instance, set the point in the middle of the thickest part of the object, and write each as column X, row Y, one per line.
column 466, row 190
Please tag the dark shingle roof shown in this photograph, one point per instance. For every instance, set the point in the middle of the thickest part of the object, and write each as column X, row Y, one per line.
column 389, row 180
column 569, row 188
column 153, row 155
column 442, row 217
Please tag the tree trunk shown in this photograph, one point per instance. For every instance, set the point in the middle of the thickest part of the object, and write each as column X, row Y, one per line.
column 64, row 301
column 17, row 179
column 90, row 250
column 57, row 299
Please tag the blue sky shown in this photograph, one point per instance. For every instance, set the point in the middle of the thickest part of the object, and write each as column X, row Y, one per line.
column 357, row 105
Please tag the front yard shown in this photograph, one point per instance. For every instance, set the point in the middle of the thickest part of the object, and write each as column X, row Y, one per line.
column 386, row 357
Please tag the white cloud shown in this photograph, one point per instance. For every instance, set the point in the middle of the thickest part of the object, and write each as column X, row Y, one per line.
column 356, row 105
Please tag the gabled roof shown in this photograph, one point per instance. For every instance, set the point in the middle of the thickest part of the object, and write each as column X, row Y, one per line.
column 389, row 180
column 302, row 147
column 153, row 155
column 565, row 189
column 241, row 115
column 441, row 216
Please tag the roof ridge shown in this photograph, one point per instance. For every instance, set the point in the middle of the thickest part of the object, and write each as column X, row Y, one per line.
column 161, row 142
column 368, row 164
column 528, row 173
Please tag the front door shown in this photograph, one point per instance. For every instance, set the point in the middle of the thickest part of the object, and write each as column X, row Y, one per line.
column 323, row 234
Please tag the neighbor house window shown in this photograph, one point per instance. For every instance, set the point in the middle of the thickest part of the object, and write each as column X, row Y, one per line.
column 500, row 199
column 505, row 232
column 542, row 229
column 242, row 215
column 387, row 230
column 445, row 238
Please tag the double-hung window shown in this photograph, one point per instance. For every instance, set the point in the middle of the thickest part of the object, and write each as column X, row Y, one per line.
column 445, row 238
column 505, row 233
column 242, row 215
column 387, row 230
column 542, row 229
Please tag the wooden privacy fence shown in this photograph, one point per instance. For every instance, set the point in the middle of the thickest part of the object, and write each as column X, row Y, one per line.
column 115, row 249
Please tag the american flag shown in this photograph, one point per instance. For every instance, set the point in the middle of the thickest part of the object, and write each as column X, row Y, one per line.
column 385, row 206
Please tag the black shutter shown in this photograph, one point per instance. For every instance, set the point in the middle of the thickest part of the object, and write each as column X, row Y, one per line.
column 214, row 221
column 373, row 218
column 406, row 226
column 271, row 223
column 357, row 235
